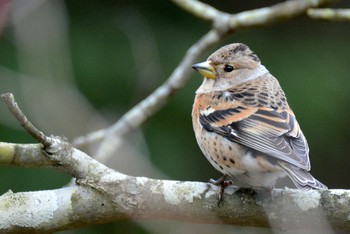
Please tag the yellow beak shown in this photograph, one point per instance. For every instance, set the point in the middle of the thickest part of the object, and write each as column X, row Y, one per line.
column 205, row 69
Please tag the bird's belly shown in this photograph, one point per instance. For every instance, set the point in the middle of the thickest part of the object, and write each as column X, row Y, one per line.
column 237, row 161
column 224, row 155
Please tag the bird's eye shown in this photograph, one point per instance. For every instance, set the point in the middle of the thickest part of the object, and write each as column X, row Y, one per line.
column 228, row 68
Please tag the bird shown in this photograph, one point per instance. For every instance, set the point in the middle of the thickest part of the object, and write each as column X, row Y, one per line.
column 244, row 125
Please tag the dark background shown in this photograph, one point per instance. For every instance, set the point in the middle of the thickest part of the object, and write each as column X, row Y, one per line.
column 118, row 52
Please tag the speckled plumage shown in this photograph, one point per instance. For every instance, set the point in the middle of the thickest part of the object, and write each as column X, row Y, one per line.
column 244, row 125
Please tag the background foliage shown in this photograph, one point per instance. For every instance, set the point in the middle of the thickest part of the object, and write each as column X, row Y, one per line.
column 120, row 51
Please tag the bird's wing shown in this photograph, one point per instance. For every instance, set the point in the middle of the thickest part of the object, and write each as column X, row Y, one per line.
column 272, row 132
column 302, row 179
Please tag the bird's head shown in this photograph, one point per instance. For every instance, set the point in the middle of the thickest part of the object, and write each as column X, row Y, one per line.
column 231, row 64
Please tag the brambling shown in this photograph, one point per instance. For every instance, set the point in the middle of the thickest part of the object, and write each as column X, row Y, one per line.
column 244, row 125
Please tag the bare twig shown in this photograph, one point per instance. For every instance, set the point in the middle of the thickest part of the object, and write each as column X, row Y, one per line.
column 147, row 107
column 12, row 105
column 329, row 14
column 250, row 18
column 58, row 152
column 201, row 10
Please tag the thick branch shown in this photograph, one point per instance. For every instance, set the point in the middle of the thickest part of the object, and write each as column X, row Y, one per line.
column 139, row 198
column 105, row 196
column 108, row 196
column 23, row 155
column 59, row 155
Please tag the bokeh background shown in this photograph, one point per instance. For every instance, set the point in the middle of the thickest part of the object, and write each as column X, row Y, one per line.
column 77, row 66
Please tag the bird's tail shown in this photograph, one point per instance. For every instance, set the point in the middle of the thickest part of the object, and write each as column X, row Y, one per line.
column 302, row 179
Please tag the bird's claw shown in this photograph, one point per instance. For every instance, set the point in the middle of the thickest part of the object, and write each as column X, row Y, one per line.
column 223, row 183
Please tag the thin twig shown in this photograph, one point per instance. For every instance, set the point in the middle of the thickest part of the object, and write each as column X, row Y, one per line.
column 13, row 107
column 201, row 10
column 329, row 14
column 251, row 18
column 147, row 107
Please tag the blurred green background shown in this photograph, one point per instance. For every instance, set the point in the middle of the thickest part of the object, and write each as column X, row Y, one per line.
column 77, row 66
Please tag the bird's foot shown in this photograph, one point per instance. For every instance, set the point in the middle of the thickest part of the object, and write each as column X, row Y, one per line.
column 223, row 183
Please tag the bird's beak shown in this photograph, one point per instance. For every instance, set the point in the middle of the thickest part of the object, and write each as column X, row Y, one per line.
column 205, row 69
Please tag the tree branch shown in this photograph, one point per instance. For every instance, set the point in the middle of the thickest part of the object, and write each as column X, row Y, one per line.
column 250, row 18
column 118, row 197
column 57, row 152
column 329, row 14
column 104, row 195
column 11, row 104
column 201, row 10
